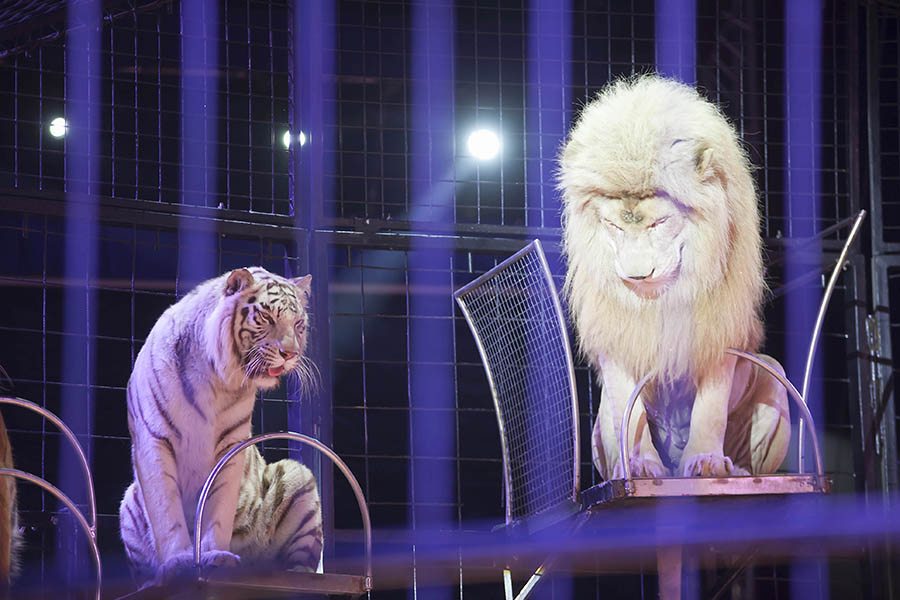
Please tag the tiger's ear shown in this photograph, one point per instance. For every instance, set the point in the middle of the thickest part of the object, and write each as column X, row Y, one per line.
column 238, row 280
column 305, row 285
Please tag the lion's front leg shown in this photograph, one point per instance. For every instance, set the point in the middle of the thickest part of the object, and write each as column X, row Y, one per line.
column 704, row 454
column 645, row 461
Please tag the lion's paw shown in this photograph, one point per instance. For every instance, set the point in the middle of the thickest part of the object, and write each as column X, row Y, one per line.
column 711, row 465
column 642, row 466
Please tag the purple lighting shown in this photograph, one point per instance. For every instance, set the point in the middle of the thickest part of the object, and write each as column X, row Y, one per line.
column 803, row 67
column 430, row 304
column 199, row 46
column 84, row 69
column 313, row 96
column 548, row 105
column 676, row 37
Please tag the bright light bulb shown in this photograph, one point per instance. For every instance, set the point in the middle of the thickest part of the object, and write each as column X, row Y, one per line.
column 483, row 144
column 302, row 138
column 286, row 139
column 58, row 127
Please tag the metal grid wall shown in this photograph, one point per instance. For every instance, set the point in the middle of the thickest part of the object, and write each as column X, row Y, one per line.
column 888, row 134
column 494, row 89
column 369, row 287
column 746, row 77
column 372, row 127
column 883, row 28
column 141, row 106
column 886, row 183
column 137, row 281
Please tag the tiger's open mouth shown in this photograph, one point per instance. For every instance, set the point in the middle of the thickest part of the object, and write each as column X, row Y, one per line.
column 276, row 371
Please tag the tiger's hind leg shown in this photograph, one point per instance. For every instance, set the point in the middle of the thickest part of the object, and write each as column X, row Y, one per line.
column 296, row 527
column 136, row 535
column 282, row 526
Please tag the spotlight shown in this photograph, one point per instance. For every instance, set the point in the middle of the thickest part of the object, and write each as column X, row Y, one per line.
column 58, row 127
column 483, row 144
column 288, row 138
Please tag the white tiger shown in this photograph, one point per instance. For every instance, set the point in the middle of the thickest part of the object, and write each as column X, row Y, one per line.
column 190, row 400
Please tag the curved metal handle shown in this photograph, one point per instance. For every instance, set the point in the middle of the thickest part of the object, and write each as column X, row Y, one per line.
column 820, row 320
column 299, row 437
column 92, row 502
column 91, row 535
column 806, row 418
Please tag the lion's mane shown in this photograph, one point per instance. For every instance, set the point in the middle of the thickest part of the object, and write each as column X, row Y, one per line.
column 650, row 133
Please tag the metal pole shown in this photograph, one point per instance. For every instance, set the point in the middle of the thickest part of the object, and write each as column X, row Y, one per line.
column 820, row 320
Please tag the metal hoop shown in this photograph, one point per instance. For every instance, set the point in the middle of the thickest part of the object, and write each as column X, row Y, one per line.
column 806, row 418
column 299, row 437
column 92, row 502
column 820, row 320
column 92, row 541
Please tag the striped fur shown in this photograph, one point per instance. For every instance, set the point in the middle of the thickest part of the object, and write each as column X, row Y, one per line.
column 10, row 537
column 190, row 400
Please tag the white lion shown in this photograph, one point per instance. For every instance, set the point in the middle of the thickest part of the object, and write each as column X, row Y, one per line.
column 661, row 234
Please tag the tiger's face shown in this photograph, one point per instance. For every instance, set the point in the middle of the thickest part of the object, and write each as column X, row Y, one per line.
column 270, row 325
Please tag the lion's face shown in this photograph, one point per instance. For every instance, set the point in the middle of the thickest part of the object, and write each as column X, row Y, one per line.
column 646, row 237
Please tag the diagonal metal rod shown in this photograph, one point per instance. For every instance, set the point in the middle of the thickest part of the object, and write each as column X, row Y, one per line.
column 817, row 329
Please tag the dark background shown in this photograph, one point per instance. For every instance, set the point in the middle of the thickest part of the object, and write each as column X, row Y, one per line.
column 349, row 208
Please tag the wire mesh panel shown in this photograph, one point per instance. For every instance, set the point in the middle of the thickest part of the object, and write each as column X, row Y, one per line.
column 517, row 322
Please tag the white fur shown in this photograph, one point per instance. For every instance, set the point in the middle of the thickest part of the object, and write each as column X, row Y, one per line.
column 190, row 399
column 661, row 234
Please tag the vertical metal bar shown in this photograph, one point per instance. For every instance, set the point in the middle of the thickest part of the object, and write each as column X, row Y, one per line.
column 83, row 73
column 878, row 415
column 873, row 133
column 881, row 298
column 548, row 98
column 882, row 406
column 430, row 316
column 803, row 45
column 313, row 89
column 199, row 64
column 676, row 38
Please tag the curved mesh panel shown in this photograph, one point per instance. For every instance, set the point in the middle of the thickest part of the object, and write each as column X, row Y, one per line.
column 516, row 319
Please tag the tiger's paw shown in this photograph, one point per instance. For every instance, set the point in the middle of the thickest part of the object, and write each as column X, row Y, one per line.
column 219, row 559
column 174, row 568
